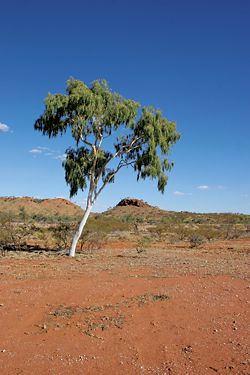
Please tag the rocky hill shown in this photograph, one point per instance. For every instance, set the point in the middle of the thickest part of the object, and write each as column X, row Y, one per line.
column 132, row 202
column 136, row 209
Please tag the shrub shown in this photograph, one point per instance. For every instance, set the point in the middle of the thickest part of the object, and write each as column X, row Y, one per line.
column 23, row 214
column 208, row 232
column 232, row 232
column 62, row 234
column 142, row 244
column 128, row 219
column 92, row 240
column 198, row 220
column 159, row 231
column 196, row 240
column 12, row 234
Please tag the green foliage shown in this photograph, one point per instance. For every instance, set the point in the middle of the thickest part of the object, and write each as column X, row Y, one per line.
column 50, row 218
column 129, row 219
column 198, row 220
column 38, row 217
column 95, row 113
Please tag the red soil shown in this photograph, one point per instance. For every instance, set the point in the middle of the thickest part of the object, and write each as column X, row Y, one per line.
column 170, row 311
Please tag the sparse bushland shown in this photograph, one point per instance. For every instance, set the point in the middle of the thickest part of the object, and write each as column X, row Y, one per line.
column 165, row 230
column 133, row 225
column 106, row 224
column 12, row 234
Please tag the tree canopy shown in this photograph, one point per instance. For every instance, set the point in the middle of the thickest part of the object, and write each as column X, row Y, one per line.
column 94, row 114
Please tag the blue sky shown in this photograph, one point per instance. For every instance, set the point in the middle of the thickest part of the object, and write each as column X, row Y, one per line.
column 190, row 58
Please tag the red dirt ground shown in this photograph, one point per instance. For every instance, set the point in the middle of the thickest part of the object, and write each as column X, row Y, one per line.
column 173, row 310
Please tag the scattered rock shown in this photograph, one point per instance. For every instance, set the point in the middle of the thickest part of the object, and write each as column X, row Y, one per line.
column 132, row 202
column 213, row 368
column 187, row 349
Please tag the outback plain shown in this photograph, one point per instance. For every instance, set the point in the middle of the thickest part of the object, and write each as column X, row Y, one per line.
column 149, row 292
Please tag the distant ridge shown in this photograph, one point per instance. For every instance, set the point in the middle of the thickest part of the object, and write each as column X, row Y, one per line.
column 50, row 210
column 35, row 206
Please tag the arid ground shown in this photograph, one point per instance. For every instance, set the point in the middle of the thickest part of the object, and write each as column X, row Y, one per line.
column 170, row 310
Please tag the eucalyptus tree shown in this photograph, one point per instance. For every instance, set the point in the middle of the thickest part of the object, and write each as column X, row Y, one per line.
column 109, row 133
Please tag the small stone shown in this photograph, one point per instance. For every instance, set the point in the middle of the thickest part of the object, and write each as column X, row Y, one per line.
column 188, row 349
column 213, row 368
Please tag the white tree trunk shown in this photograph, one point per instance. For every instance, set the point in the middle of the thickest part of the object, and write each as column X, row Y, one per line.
column 78, row 233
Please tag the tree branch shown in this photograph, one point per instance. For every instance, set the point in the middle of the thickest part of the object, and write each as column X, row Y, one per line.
column 120, row 165
column 101, row 138
column 128, row 147
column 86, row 142
column 119, row 153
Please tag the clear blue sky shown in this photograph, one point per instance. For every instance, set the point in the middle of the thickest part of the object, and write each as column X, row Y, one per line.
column 190, row 58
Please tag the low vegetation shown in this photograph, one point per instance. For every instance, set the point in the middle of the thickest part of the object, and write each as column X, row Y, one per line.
column 23, row 229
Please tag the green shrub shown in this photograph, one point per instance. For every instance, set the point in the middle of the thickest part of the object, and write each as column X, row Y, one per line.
column 128, row 219
column 23, row 216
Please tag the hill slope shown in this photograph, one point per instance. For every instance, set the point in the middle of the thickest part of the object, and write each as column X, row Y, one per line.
column 38, row 208
column 148, row 213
